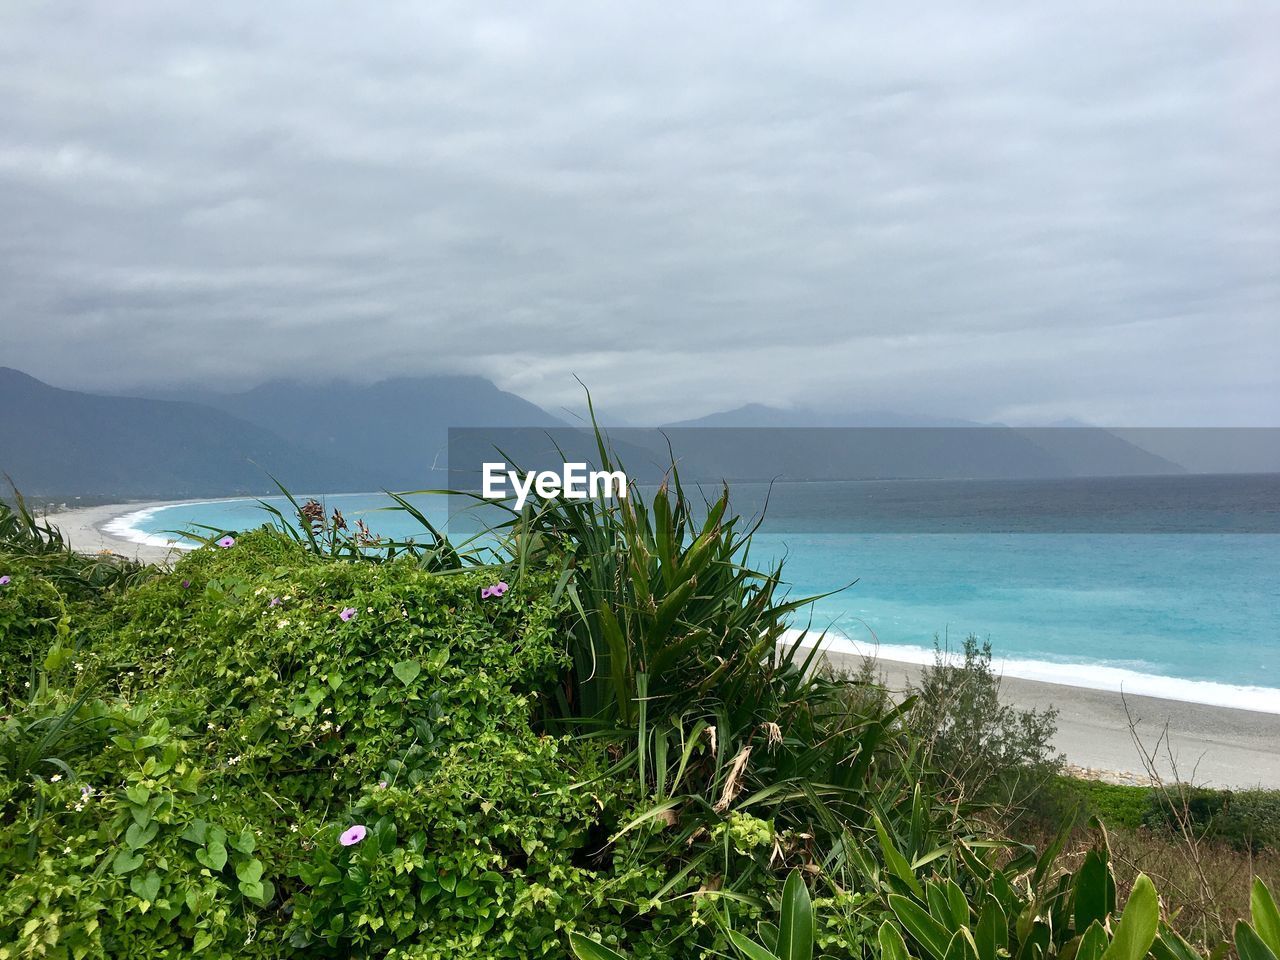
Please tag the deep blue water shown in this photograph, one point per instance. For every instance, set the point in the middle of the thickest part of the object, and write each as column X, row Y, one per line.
column 1194, row 615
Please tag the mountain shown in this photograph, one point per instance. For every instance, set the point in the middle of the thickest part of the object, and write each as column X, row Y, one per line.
column 759, row 415
column 395, row 430
column 62, row 443
column 809, row 444
column 1095, row 452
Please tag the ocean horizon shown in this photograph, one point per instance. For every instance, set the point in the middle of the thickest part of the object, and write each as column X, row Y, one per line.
column 1180, row 615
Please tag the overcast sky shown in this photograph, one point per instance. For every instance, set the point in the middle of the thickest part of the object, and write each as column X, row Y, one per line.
column 1016, row 212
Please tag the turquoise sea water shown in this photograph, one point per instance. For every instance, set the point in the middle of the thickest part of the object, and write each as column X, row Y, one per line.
column 1186, row 615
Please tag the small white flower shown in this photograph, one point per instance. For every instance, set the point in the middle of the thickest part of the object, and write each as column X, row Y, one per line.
column 281, row 624
column 55, row 778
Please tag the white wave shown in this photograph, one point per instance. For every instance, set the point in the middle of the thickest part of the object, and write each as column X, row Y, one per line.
column 129, row 526
column 1091, row 676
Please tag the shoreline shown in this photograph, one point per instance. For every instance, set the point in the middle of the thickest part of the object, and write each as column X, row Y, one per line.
column 1207, row 744
column 95, row 529
column 1219, row 735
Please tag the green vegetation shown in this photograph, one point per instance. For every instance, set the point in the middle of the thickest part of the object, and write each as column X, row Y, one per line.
column 304, row 741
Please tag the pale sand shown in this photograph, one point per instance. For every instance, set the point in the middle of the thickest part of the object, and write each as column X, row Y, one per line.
column 83, row 529
column 1211, row 745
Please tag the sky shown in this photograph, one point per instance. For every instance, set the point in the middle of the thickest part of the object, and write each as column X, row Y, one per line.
column 1015, row 212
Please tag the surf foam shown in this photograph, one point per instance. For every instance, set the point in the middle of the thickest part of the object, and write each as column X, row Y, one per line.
column 1090, row 676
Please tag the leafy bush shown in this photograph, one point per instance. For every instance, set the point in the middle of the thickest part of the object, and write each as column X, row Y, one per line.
column 973, row 911
column 233, row 718
column 1116, row 805
column 1246, row 819
column 985, row 750
column 33, row 615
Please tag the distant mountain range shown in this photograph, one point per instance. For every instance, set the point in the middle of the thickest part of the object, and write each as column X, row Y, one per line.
column 334, row 438
column 343, row 437
column 62, row 443
column 395, row 431
column 809, row 444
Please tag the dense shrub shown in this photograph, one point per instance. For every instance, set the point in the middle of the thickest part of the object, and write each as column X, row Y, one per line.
column 230, row 720
column 33, row 613
column 1116, row 805
column 1246, row 819
column 985, row 750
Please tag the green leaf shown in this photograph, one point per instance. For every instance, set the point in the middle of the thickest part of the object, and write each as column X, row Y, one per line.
column 261, row 893
column 1137, row 928
column 147, row 888
column 795, row 925
column 892, row 946
column 126, row 861
column 1249, row 945
column 138, row 795
column 585, row 949
column 407, row 671
column 896, row 862
column 1169, row 945
column 1095, row 890
column 961, row 946
column 1266, row 919
column 214, row 856
column 926, row 931
column 749, row 948
column 137, row 838
column 1093, row 944
column 992, row 934
column 249, row 871
column 245, row 842
column 202, row 939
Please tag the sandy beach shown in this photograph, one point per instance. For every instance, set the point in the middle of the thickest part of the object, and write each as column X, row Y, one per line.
column 1210, row 745
column 83, row 528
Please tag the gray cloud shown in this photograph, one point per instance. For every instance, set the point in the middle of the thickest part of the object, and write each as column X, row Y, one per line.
column 1002, row 211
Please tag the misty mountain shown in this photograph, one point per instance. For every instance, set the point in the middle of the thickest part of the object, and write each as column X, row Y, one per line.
column 760, row 415
column 813, row 444
column 62, row 443
column 395, row 430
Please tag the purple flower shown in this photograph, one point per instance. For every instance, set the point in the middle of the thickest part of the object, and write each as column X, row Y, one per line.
column 185, row 584
column 497, row 590
column 348, row 614
column 227, row 541
column 276, row 601
column 353, row 835
column 4, row 580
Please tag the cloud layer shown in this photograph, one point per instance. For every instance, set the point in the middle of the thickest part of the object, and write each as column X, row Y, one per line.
column 1001, row 211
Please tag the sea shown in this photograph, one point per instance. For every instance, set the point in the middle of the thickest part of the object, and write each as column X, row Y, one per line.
column 1162, row 586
